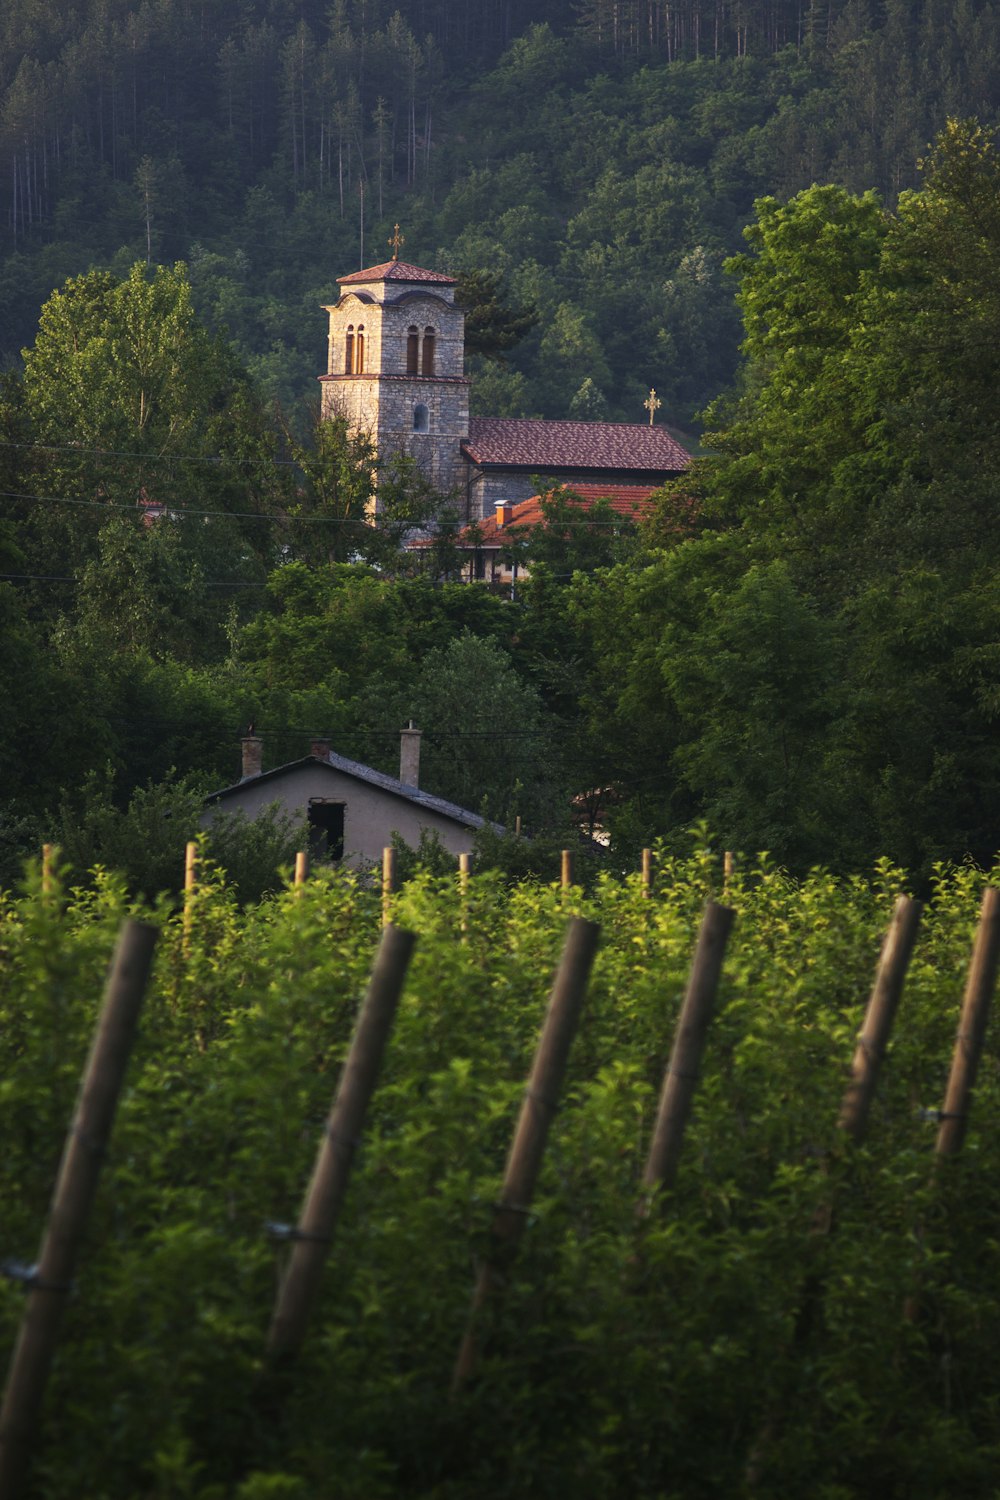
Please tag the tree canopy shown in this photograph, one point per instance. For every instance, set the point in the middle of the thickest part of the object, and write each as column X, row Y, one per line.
column 822, row 672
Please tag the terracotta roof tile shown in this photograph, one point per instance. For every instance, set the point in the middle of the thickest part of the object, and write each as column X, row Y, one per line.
column 627, row 501
column 519, row 442
column 395, row 270
column 630, row 501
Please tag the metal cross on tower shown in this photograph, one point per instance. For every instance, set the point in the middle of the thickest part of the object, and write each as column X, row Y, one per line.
column 652, row 404
column 396, row 241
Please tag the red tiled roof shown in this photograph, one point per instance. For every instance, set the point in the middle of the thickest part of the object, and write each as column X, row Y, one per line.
column 629, row 501
column 395, row 270
column 625, row 501
column 623, row 498
column 517, row 442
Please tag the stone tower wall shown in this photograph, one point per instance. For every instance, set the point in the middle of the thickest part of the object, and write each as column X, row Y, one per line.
column 383, row 401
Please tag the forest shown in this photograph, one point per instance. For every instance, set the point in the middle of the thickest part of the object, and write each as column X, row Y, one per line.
column 785, row 218
column 601, row 158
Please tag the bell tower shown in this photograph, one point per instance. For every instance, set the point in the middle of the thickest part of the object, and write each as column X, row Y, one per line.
column 396, row 365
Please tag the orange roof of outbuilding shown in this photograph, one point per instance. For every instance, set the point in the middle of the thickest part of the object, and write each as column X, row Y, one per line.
column 630, row 502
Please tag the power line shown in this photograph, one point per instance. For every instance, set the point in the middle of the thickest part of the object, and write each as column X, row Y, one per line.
column 207, row 583
column 178, row 512
column 35, row 578
column 313, row 733
column 219, row 459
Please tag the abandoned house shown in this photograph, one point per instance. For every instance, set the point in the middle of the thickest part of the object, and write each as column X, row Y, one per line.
column 351, row 810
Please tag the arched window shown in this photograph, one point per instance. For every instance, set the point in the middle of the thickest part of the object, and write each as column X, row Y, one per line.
column 359, row 351
column 428, row 351
column 421, row 418
column 413, row 350
column 349, row 351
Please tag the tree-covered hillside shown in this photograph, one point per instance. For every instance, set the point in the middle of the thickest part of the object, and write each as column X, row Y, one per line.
column 814, row 670
column 603, row 157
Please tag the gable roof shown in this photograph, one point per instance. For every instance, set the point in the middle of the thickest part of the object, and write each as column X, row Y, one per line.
column 395, row 270
column 367, row 774
column 527, row 443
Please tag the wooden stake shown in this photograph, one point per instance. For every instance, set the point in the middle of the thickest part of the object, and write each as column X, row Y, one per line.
column 79, row 1169
column 567, row 869
column 682, row 1073
column 325, row 1195
column 954, row 1114
column 190, row 886
column 517, row 826
column 464, row 871
column 874, row 1035
column 388, row 882
column 647, row 872
column 728, row 866
column 971, row 1029
column 528, row 1146
column 301, row 867
column 47, row 881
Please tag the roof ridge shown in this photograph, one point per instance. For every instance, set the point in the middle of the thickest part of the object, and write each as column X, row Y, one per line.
column 369, row 774
column 396, row 270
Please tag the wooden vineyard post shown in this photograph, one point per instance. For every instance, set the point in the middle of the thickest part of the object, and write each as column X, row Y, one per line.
column 517, row 826
column 464, row 871
column 325, row 1194
column 874, row 1035
column 190, row 885
column 953, row 1116
column 883, row 1003
column 301, row 867
column 971, row 1029
column 49, row 1282
column 388, row 882
column 47, row 881
column 528, row 1146
column 647, row 873
column 681, row 1077
column 728, row 867
column 566, row 875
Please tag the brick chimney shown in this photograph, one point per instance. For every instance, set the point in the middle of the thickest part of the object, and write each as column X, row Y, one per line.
column 409, row 755
column 504, row 511
column 253, row 755
column 320, row 748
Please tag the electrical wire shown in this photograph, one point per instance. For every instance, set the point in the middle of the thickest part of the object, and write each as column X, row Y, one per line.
column 207, row 583
column 187, row 458
column 178, row 512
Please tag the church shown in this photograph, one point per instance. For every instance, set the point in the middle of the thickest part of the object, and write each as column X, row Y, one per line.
column 396, row 370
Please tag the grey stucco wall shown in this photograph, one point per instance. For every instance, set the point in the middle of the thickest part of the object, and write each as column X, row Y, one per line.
column 371, row 816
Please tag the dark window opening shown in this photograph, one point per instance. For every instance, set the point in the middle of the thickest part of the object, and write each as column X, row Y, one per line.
column 413, row 352
column 326, row 829
column 349, row 352
column 359, row 352
column 421, row 418
column 428, row 351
